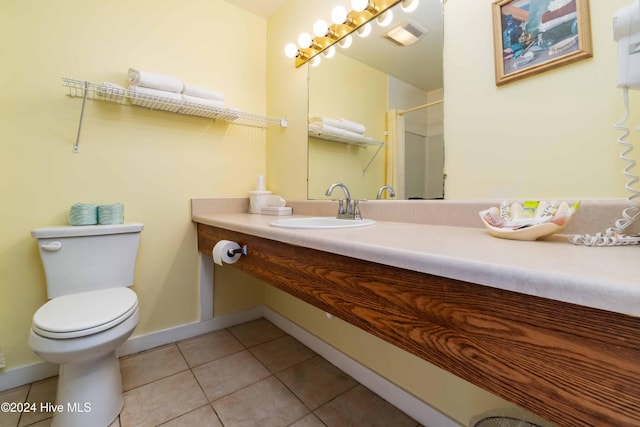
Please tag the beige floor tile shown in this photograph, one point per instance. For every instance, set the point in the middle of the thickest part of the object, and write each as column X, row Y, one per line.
column 316, row 381
column 208, row 347
column 142, row 368
column 161, row 400
column 308, row 421
column 43, row 423
column 361, row 407
column 201, row 417
column 15, row 395
column 282, row 353
column 41, row 392
column 228, row 374
column 256, row 332
column 264, row 404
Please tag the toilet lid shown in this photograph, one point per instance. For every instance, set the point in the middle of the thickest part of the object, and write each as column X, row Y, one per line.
column 86, row 313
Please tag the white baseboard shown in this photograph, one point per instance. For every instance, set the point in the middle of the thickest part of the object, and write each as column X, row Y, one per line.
column 140, row 343
column 406, row 402
column 26, row 374
column 16, row 377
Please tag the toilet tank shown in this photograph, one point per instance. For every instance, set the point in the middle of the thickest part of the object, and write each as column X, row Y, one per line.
column 86, row 258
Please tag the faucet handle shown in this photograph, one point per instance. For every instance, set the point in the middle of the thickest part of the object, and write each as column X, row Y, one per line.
column 356, row 208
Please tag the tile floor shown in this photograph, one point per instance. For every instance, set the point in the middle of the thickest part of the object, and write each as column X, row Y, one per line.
column 251, row 374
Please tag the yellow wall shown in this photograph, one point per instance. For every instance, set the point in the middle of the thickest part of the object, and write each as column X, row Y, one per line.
column 331, row 87
column 550, row 135
column 153, row 162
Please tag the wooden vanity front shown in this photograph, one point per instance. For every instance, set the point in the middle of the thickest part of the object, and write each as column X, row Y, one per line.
column 571, row 364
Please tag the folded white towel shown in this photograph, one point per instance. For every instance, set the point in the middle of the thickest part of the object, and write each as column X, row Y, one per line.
column 203, row 101
column 202, row 92
column 149, row 93
column 155, row 80
column 352, row 126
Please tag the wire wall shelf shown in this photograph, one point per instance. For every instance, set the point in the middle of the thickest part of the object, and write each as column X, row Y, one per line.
column 344, row 138
column 110, row 93
column 347, row 138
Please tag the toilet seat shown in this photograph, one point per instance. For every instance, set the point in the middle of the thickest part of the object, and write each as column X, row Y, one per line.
column 86, row 313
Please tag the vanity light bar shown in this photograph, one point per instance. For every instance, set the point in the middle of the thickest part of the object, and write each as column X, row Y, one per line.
column 337, row 32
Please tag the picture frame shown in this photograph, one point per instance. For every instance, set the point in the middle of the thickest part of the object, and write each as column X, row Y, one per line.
column 533, row 36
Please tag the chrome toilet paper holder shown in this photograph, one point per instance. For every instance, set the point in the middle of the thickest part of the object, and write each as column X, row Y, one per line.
column 242, row 250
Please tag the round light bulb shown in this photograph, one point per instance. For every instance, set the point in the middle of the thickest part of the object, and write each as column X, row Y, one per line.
column 409, row 5
column 365, row 30
column 329, row 52
column 315, row 61
column 346, row 42
column 291, row 50
column 359, row 5
column 339, row 15
column 320, row 28
column 304, row 40
column 385, row 19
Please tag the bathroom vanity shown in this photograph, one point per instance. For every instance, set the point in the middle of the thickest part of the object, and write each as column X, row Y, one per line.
column 552, row 327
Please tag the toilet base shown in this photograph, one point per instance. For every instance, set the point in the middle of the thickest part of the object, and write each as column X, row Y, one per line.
column 89, row 393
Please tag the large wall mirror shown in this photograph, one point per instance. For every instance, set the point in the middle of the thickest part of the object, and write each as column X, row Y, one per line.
column 368, row 124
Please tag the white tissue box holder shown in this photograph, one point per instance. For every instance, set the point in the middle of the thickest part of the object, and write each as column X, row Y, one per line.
column 277, row 210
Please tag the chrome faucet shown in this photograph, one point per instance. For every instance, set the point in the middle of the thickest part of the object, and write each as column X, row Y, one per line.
column 389, row 189
column 347, row 209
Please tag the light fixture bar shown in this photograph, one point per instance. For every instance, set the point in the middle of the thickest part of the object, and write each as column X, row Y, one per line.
column 337, row 32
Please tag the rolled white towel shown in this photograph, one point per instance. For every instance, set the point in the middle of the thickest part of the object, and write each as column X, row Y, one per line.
column 340, row 132
column 202, row 92
column 203, row 101
column 327, row 121
column 353, row 126
column 155, row 80
column 339, row 123
column 146, row 92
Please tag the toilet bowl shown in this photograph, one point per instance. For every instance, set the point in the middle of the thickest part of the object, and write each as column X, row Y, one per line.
column 90, row 314
column 77, row 332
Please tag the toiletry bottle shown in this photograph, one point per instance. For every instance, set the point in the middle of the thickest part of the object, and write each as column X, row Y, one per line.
column 256, row 196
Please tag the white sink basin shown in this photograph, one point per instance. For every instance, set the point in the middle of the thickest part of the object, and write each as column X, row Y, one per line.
column 321, row 222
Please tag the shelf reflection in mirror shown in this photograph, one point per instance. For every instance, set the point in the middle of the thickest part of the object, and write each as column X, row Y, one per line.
column 368, row 82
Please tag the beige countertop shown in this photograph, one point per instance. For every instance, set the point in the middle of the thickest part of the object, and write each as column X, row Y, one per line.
column 607, row 278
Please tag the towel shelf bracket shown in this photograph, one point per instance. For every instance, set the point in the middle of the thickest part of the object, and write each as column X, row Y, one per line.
column 109, row 93
column 76, row 147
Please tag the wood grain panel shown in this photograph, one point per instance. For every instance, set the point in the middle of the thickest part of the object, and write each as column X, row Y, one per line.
column 572, row 365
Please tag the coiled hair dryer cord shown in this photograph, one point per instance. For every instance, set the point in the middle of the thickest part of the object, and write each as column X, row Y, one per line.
column 615, row 236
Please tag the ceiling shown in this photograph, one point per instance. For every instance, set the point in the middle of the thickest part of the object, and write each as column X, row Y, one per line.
column 419, row 65
column 264, row 8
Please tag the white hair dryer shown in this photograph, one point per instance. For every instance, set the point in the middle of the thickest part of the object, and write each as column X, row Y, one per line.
column 626, row 31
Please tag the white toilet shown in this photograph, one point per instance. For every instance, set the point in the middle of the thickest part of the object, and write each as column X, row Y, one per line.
column 91, row 312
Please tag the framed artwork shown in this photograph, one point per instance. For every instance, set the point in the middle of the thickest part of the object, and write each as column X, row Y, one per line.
column 532, row 36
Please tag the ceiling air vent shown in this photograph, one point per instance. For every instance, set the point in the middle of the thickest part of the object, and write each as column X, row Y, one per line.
column 406, row 33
